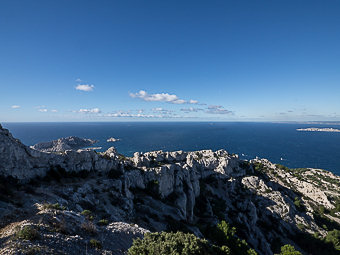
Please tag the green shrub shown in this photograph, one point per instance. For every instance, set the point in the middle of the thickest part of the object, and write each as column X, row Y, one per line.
column 289, row 250
column 251, row 252
column 225, row 249
column 28, row 233
column 335, row 209
column 55, row 206
column 298, row 204
column 103, row 222
column 322, row 209
column 282, row 167
column 301, row 226
column 95, row 244
column 225, row 235
column 121, row 157
column 177, row 243
column 86, row 213
column 312, row 245
column 333, row 237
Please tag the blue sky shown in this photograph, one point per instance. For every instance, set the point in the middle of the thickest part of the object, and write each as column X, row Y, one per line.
column 169, row 60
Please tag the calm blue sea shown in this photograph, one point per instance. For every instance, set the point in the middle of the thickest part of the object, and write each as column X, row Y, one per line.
column 280, row 143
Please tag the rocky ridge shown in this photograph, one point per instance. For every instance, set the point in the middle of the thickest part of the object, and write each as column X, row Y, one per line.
column 83, row 200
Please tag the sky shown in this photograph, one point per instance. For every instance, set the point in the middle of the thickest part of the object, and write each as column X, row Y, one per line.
column 171, row 60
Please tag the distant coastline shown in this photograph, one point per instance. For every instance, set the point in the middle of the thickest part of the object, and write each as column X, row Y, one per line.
column 319, row 129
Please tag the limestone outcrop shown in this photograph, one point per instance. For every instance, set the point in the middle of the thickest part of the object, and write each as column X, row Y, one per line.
column 158, row 191
column 24, row 163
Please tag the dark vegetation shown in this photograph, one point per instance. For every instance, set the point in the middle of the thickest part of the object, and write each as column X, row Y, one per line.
column 55, row 206
column 289, row 250
column 103, row 222
column 314, row 245
column 178, row 243
column 94, row 243
column 28, row 233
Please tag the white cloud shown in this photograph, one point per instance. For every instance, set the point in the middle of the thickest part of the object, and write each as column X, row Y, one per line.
column 85, row 87
column 78, row 80
column 54, row 110
column 158, row 109
column 42, row 110
column 94, row 110
column 15, row 106
column 164, row 112
column 191, row 109
column 217, row 109
column 132, row 115
column 157, row 113
column 161, row 97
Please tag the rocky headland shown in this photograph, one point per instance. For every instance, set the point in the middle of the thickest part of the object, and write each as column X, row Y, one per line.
column 84, row 202
column 319, row 129
column 64, row 144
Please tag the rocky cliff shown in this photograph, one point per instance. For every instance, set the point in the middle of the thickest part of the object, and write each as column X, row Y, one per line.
column 82, row 201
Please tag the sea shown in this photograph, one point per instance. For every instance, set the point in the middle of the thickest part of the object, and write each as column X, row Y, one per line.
column 279, row 142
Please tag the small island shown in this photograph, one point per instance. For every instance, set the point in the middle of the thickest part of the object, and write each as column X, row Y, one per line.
column 64, row 144
column 319, row 129
column 112, row 139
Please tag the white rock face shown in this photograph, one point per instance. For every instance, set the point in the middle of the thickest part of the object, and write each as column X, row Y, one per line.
column 23, row 163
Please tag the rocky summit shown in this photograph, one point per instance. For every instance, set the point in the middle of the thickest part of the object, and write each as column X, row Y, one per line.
column 84, row 202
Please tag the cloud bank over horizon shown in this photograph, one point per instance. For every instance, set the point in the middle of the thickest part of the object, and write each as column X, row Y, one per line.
column 161, row 97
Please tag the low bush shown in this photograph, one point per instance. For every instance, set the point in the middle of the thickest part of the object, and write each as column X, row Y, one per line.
column 333, row 237
column 28, row 233
column 289, row 250
column 298, row 205
column 314, row 245
column 282, row 167
column 95, row 244
column 55, row 206
column 103, row 222
column 86, row 213
column 225, row 235
column 171, row 243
